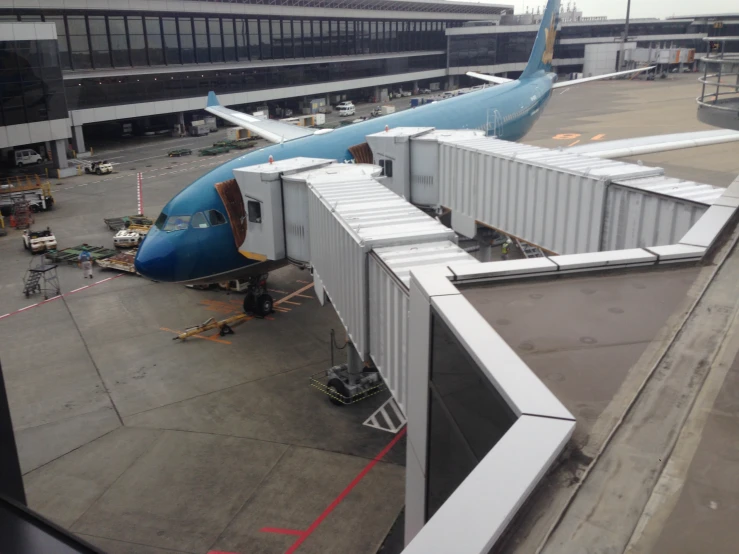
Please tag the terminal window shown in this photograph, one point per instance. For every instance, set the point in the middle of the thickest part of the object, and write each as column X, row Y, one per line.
column 467, row 416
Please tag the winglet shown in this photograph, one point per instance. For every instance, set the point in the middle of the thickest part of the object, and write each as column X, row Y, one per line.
column 212, row 100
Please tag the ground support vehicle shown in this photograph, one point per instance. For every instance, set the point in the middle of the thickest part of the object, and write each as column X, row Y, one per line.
column 125, row 238
column 39, row 241
column 99, row 167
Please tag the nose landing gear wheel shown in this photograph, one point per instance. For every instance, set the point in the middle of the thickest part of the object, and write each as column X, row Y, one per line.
column 264, row 305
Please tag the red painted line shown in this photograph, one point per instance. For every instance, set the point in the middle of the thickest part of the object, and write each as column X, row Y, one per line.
column 313, row 526
column 60, row 296
column 281, row 531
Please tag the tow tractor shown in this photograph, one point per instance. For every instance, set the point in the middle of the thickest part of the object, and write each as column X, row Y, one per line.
column 39, row 241
column 99, row 167
column 125, row 238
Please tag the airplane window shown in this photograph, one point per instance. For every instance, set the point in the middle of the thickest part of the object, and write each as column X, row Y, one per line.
column 177, row 223
column 198, row 221
column 159, row 223
column 215, row 217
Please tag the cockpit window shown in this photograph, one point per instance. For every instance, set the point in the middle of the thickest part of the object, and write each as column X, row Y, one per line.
column 159, row 223
column 198, row 221
column 215, row 217
column 177, row 223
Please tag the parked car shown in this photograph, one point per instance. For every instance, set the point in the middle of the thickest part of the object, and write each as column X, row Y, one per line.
column 99, row 168
column 424, row 91
column 27, row 157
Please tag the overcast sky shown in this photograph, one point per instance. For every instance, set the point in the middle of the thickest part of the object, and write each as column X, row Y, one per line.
column 616, row 9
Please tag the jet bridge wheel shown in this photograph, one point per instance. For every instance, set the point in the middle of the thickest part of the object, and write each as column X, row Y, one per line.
column 337, row 391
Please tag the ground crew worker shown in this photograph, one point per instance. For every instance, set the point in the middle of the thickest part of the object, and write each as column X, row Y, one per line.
column 505, row 249
column 85, row 262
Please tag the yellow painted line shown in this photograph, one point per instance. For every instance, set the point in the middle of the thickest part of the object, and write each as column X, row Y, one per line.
column 304, row 296
column 221, row 341
column 304, row 282
column 297, row 292
column 573, row 143
column 293, row 303
column 598, row 137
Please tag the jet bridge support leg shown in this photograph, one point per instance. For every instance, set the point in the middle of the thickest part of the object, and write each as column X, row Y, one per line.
column 350, row 382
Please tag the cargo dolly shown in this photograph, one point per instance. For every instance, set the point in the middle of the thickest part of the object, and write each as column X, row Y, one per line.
column 122, row 261
column 71, row 255
column 130, row 222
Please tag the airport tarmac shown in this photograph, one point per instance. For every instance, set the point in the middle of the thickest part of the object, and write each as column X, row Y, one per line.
column 142, row 444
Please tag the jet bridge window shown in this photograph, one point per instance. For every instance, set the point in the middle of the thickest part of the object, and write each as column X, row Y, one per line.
column 255, row 211
column 387, row 167
column 198, row 221
column 215, row 217
column 177, row 223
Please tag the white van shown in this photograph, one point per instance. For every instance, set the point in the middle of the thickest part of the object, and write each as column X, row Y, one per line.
column 346, row 110
column 27, row 157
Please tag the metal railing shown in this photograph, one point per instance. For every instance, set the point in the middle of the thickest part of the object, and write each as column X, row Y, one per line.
column 718, row 103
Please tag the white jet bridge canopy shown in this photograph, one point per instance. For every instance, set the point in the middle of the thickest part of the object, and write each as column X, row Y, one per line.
column 561, row 201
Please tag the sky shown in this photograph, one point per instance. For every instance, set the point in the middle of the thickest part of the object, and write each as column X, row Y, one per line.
column 616, row 9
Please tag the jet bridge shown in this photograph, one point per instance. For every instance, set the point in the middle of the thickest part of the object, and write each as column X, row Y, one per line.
column 560, row 201
column 361, row 241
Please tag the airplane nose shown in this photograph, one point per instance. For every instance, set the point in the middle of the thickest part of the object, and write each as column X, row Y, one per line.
column 156, row 257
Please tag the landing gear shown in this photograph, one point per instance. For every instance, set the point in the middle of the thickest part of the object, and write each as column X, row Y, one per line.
column 257, row 301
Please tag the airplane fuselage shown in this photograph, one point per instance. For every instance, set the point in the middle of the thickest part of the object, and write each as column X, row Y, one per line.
column 210, row 254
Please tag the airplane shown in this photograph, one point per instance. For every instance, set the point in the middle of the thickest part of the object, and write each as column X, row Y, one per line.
column 193, row 241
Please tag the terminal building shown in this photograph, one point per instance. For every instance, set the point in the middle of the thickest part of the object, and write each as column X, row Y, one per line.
column 149, row 65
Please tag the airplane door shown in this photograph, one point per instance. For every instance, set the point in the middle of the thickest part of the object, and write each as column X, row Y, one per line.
column 494, row 125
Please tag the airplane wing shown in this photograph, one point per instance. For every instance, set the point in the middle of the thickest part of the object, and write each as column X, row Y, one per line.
column 489, row 78
column 273, row 131
column 656, row 143
column 561, row 84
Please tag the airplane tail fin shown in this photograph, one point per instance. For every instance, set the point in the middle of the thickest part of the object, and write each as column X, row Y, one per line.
column 212, row 100
column 543, row 51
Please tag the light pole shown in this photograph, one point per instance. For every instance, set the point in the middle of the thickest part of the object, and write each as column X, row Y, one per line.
column 626, row 34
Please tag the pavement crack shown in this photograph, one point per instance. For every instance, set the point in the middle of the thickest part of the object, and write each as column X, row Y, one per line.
column 94, row 364
column 249, row 497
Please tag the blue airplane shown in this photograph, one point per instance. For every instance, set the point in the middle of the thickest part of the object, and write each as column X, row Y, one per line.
column 192, row 241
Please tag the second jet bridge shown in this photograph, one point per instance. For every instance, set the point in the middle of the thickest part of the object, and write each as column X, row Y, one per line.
column 563, row 202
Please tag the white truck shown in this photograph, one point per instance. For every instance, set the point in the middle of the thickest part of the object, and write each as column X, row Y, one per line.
column 39, row 241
